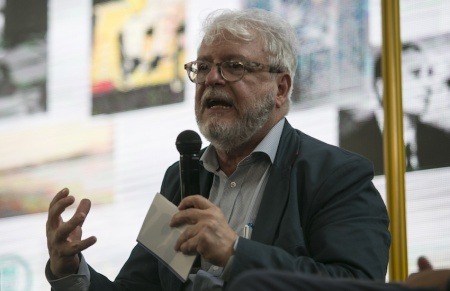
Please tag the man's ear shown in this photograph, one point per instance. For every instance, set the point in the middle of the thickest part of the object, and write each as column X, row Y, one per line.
column 284, row 85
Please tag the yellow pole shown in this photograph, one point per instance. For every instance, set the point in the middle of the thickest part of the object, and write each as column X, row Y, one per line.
column 394, row 156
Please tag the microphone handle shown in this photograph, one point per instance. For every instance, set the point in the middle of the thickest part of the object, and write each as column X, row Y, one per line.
column 189, row 175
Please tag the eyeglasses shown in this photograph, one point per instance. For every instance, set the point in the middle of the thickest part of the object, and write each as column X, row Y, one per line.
column 231, row 71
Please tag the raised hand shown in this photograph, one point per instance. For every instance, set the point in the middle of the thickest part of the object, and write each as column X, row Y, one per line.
column 429, row 277
column 208, row 232
column 64, row 238
column 424, row 264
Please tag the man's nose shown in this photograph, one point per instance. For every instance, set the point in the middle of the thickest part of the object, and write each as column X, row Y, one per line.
column 214, row 76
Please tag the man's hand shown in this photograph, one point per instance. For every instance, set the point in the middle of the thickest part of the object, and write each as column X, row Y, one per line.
column 64, row 238
column 208, row 232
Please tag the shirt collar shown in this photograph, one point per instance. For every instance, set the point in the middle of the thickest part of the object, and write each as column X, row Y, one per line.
column 268, row 145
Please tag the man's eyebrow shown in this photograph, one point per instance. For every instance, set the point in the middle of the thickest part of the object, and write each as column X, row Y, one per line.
column 231, row 57
column 204, row 59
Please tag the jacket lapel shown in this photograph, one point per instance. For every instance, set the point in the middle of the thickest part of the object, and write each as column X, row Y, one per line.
column 206, row 180
column 276, row 193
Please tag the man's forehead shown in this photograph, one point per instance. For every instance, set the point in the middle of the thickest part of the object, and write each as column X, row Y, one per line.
column 222, row 38
column 221, row 35
column 231, row 46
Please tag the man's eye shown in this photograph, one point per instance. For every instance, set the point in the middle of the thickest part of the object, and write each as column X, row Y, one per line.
column 234, row 66
column 201, row 67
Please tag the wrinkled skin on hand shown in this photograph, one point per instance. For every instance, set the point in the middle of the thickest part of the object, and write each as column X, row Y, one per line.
column 64, row 238
column 208, row 232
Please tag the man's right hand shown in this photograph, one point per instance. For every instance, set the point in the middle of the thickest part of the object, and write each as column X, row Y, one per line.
column 64, row 238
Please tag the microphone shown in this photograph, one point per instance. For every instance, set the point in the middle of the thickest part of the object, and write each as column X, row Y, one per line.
column 188, row 145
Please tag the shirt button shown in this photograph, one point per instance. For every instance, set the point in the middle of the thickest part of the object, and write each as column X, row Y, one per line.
column 233, row 184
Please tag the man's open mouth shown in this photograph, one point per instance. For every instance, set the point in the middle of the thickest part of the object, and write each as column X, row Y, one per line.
column 215, row 103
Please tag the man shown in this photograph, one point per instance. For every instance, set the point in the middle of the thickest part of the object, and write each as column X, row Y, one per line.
column 426, row 145
column 313, row 206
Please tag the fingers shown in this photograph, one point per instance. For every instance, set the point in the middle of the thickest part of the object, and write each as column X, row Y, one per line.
column 75, row 247
column 207, row 233
column 87, row 242
column 424, row 264
column 57, row 206
column 76, row 221
column 69, row 228
column 64, row 241
column 193, row 209
column 188, row 216
column 212, row 241
column 187, row 241
column 65, row 237
column 195, row 201
column 61, row 194
column 83, row 208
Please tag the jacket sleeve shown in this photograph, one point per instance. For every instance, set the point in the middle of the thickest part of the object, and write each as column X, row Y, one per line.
column 142, row 271
column 139, row 273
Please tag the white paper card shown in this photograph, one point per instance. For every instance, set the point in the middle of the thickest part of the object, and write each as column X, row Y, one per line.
column 159, row 238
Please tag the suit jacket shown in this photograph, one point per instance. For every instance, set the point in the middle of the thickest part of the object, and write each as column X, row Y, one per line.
column 359, row 132
column 285, row 281
column 319, row 213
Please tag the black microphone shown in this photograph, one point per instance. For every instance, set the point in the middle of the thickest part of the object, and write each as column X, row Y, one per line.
column 188, row 145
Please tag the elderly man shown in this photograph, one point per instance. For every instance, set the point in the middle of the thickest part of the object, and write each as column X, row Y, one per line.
column 312, row 206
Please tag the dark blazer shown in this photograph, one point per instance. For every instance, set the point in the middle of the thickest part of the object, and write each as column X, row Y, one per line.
column 285, row 281
column 359, row 132
column 319, row 213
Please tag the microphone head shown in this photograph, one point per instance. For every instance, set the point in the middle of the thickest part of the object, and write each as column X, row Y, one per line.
column 188, row 142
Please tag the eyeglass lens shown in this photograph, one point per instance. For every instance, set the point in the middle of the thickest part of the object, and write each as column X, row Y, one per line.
column 230, row 71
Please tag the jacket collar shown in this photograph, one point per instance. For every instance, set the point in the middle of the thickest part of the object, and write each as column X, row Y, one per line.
column 276, row 194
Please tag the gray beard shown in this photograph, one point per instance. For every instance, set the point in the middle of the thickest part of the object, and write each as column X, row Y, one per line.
column 226, row 136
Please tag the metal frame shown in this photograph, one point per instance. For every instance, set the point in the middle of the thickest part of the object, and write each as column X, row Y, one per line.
column 394, row 156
